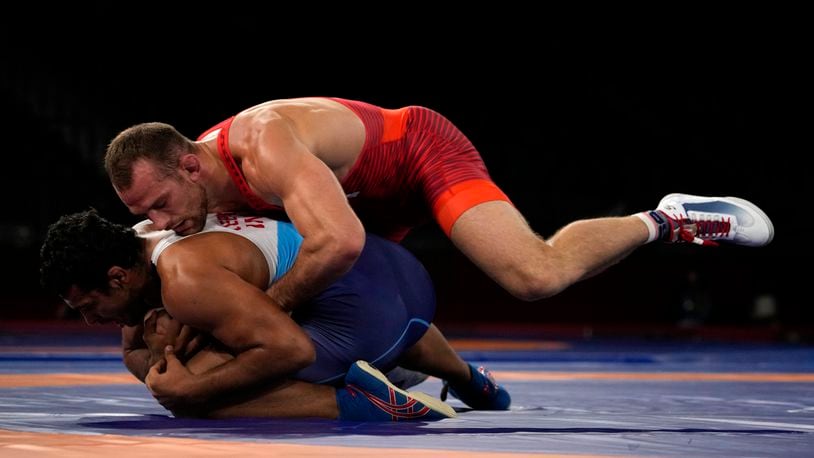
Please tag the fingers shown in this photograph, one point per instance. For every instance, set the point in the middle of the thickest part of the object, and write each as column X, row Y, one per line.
column 154, row 373
column 195, row 344
column 160, row 366
column 159, row 329
column 189, row 342
column 185, row 336
column 170, row 358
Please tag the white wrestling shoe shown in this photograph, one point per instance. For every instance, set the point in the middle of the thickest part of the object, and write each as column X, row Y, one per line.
column 704, row 220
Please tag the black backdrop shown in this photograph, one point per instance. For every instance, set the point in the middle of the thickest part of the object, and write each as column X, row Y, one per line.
column 574, row 117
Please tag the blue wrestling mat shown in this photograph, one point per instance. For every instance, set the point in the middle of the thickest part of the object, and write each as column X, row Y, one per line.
column 68, row 394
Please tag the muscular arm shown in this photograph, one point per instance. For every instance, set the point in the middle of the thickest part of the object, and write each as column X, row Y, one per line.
column 266, row 343
column 332, row 234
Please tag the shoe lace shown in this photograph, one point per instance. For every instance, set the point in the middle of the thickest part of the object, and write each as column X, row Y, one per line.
column 702, row 229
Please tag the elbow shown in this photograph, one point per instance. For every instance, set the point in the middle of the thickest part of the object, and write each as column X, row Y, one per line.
column 352, row 247
column 294, row 352
column 308, row 356
column 349, row 239
column 307, row 352
column 346, row 248
column 302, row 354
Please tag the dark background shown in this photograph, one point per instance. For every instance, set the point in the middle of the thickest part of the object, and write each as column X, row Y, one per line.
column 575, row 116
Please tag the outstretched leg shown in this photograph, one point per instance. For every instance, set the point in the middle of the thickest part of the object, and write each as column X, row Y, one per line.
column 496, row 237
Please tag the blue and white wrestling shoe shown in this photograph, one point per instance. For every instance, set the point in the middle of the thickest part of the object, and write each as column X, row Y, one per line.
column 706, row 220
column 481, row 393
column 369, row 396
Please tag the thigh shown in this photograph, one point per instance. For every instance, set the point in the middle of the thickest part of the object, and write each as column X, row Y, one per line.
column 497, row 238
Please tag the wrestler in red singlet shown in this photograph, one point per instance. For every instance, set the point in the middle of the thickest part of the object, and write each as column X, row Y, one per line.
column 414, row 163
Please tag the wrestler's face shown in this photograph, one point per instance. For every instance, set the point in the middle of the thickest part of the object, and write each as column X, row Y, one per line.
column 121, row 305
column 176, row 201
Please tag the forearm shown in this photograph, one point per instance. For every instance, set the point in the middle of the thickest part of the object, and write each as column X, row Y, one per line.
column 250, row 369
column 312, row 273
column 207, row 359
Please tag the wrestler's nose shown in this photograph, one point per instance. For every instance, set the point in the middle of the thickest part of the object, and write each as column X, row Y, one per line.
column 159, row 219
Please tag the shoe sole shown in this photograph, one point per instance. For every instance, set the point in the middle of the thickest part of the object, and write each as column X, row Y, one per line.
column 434, row 404
column 740, row 201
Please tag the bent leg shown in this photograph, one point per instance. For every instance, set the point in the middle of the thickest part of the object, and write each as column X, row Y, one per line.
column 286, row 398
column 496, row 237
column 475, row 386
column 433, row 355
column 289, row 398
column 367, row 397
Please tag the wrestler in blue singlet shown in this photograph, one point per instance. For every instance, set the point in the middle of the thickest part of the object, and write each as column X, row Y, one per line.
column 380, row 308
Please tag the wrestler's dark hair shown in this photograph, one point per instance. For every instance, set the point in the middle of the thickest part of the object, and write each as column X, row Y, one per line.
column 155, row 141
column 80, row 248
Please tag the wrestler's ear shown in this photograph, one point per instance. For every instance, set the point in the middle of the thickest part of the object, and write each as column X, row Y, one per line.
column 117, row 277
column 191, row 164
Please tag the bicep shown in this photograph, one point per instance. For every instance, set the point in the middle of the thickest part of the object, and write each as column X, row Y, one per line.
column 315, row 199
column 217, row 301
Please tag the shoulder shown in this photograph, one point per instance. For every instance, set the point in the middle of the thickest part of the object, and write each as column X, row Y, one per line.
column 185, row 259
column 182, row 268
column 265, row 141
column 192, row 258
column 286, row 115
column 260, row 127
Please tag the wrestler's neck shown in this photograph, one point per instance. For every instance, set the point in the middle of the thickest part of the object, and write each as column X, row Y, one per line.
column 221, row 192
